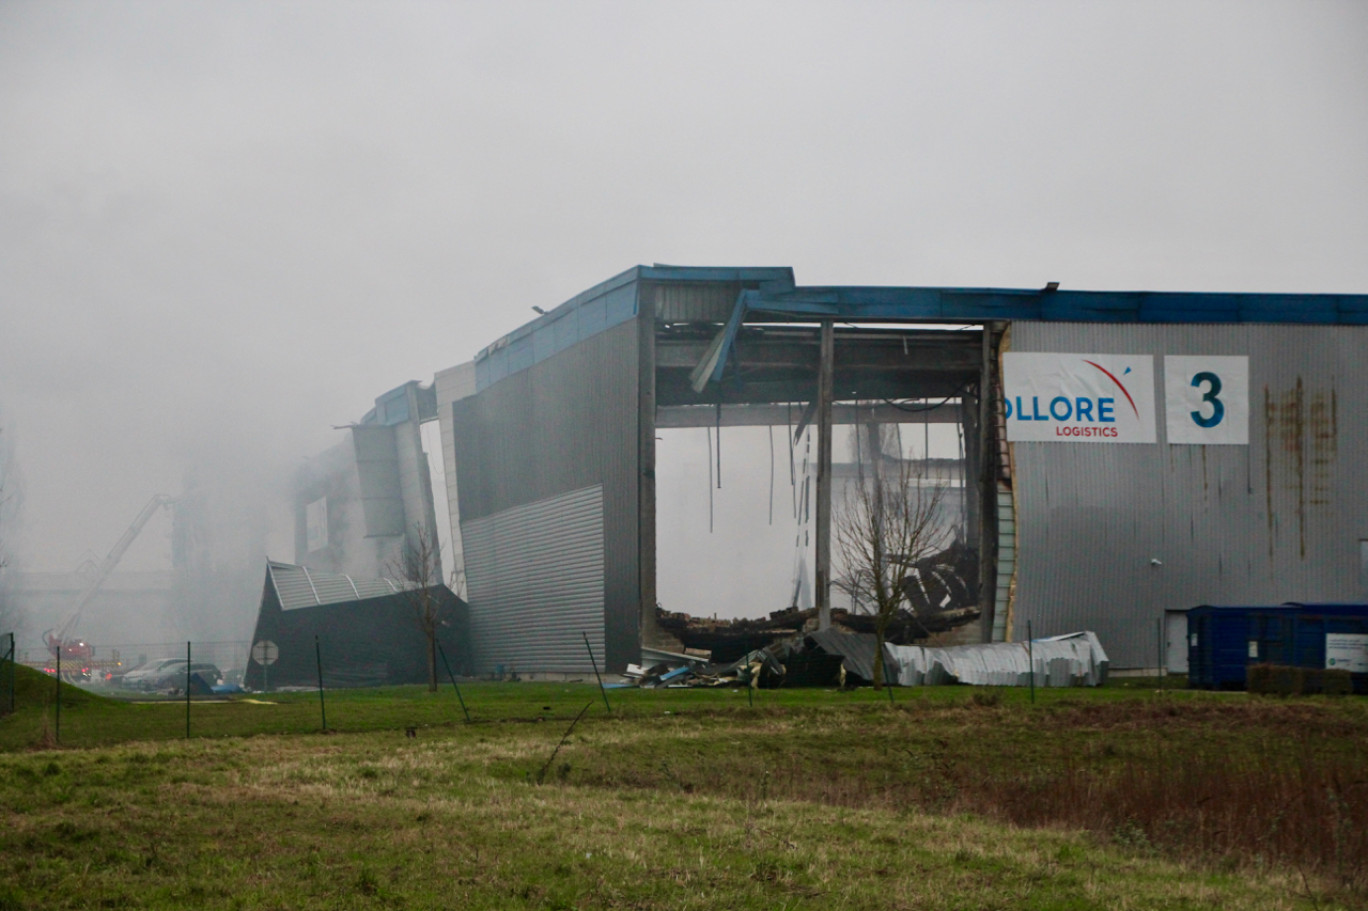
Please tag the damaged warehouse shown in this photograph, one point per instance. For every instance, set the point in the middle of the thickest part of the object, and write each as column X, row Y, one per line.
column 1106, row 459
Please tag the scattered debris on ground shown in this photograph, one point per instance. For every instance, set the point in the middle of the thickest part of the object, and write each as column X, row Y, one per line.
column 841, row 657
column 730, row 640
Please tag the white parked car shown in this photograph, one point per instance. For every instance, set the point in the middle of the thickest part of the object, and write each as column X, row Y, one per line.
column 169, row 673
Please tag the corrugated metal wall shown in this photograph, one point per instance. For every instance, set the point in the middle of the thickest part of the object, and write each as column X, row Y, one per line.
column 696, row 303
column 451, row 385
column 538, row 569
column 1279, row 519
column 566, row 423
column 377, row 466
column 598, row 310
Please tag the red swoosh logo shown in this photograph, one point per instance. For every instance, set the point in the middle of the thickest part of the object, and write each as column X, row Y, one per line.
column 1118, row 385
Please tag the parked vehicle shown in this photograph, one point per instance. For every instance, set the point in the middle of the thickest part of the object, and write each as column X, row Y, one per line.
column 170, row 673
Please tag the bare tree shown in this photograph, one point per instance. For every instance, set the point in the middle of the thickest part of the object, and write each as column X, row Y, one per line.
column 889, row 518
column 418, row 565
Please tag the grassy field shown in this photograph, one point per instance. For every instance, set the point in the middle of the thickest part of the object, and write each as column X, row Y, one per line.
column 948, row 798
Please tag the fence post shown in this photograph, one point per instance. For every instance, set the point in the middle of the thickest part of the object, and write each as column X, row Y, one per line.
column 441, row 651
column 57, row 735
column 12, row 656
column 322, row 708
column 1030, row 658
column 187, row 691
column 594, row 661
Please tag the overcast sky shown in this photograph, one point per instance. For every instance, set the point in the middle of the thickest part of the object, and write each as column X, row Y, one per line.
column 226, row 227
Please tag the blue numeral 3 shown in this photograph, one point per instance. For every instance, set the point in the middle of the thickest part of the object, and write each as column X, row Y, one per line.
column 1217, row 406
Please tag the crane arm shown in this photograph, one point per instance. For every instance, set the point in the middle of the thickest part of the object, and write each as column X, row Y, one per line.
column 110, row 561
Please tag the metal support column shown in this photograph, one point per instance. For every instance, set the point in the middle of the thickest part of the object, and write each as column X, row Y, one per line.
column 825, row 374
column 987, row 486
column 649, row 633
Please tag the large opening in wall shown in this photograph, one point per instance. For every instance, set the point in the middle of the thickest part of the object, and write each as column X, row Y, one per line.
column 736, row 466
column 734, row 510
column 733, row 520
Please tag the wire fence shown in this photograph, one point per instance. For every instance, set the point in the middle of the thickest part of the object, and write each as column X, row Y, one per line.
column 55, row 686
column 130, row 670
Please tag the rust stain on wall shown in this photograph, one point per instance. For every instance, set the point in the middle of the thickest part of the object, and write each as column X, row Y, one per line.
column 1324, row 445
column 1206, row 489
column 1301, row 445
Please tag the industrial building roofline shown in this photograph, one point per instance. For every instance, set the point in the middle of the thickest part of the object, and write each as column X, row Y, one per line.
column 769, row 293
column 971, row 305
column 769, row 278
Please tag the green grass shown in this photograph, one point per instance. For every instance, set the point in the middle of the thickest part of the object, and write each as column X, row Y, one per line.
column 949, row 798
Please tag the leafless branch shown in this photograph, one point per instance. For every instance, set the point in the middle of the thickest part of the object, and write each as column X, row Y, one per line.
column 416, row 565
column 890, row 518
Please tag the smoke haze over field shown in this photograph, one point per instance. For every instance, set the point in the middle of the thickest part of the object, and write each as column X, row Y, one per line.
column 227, row 227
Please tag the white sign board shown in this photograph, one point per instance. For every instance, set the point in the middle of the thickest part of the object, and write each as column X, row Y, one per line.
column 1347, row 652
column 265, row 652
column 1079, row 398
column 1207, row 399
column 316, row 525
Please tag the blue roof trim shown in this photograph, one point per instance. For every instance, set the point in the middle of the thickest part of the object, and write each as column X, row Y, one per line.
column 979, row 304
column 614, row 301
column 772, row 278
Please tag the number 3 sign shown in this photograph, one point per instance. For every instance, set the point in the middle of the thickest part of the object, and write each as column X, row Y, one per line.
column 1207, row 399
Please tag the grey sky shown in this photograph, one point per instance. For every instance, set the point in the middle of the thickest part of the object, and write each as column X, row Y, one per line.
column 226, row 226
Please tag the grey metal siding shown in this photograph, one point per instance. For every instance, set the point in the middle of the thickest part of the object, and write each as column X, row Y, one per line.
column 566, row 423
column 377, row 466
column 597, row 310
column 1277, row 520
column 536, row 574
column 695, row 303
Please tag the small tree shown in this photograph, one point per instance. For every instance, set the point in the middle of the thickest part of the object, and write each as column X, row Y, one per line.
column 418, row 565
column 889, row 518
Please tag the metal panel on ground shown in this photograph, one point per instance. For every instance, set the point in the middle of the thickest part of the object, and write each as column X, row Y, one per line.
column 1109, row 537
column 1074, row 659
column 538, row 569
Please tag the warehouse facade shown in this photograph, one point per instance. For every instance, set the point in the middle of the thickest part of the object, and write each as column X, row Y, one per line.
column 1125, row 453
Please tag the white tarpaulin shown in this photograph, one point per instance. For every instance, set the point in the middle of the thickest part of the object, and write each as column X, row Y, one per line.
column 1075, row 659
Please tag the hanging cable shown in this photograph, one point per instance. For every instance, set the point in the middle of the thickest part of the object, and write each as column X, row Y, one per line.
column 859, row 451
column 770, row 428
column 964, row 478
column 719, row 445
column 710, row 481
column 915, row 409
column 793, row 475
column 807, row 481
